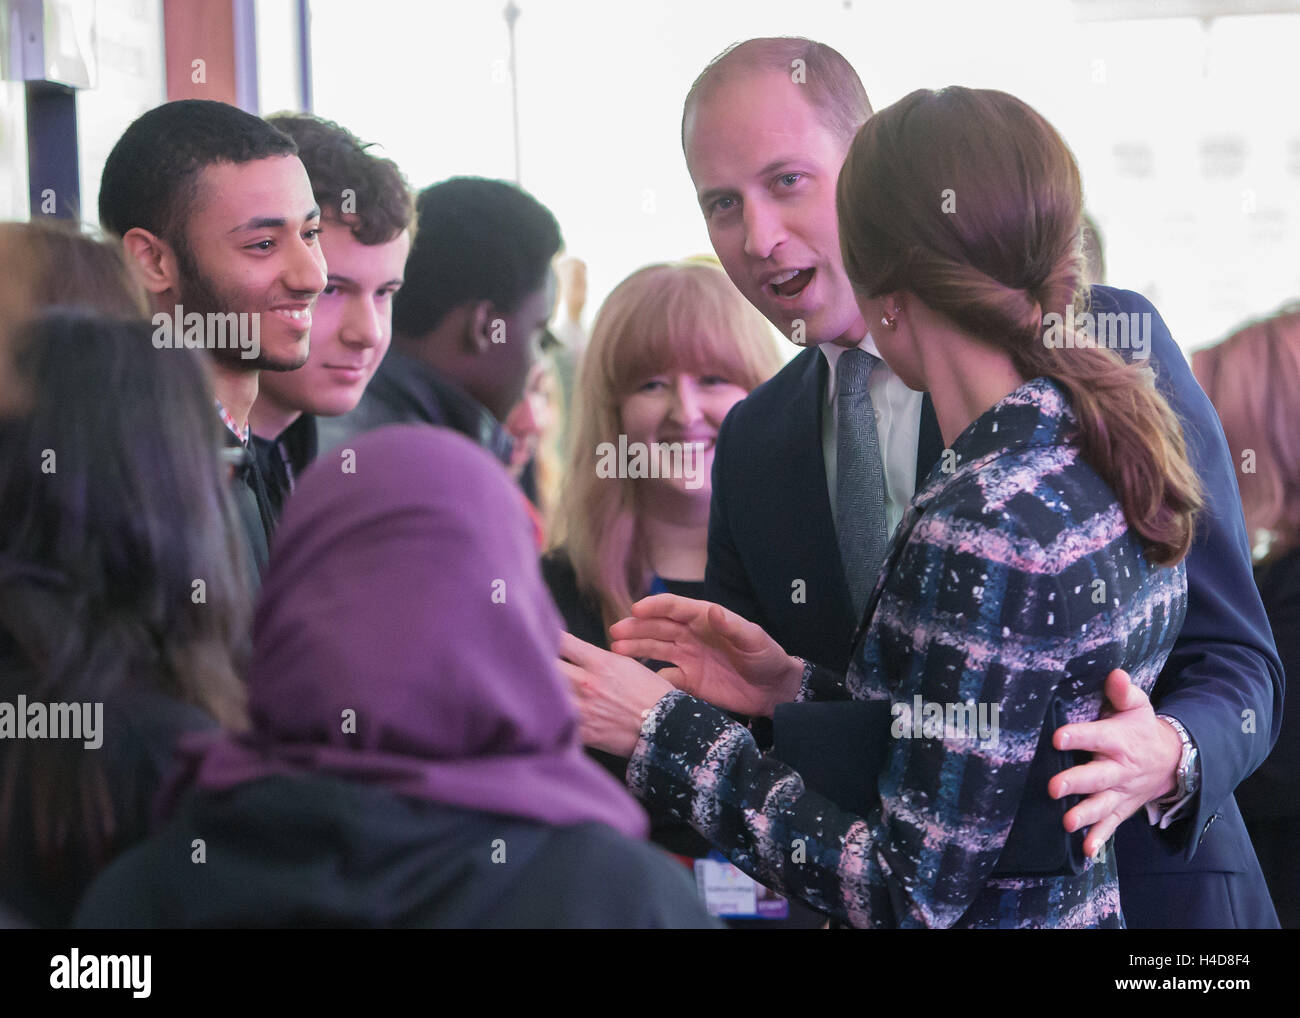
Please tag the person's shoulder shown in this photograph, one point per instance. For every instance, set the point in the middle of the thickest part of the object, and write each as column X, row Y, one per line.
column 143, row 725
column 763, row 417
column 1112, row 298
column 1021, row 507
column 774, row 394
column 633, row 883
column 962, row 510
column 403, row 391
column 127, row 894
column 1148, row 332
column 369, row 413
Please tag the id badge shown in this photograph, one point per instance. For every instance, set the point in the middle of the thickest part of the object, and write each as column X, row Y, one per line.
column 729, row 893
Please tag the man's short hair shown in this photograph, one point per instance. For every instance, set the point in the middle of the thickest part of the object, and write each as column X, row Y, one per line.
column 476, row 239
column 349, row 181
column 830, row 82
column 151, row 177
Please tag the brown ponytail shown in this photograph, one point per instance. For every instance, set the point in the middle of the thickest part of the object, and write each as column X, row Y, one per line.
column 970, row 201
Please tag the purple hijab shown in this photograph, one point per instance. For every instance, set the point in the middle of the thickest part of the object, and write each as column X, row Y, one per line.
column 408, row 592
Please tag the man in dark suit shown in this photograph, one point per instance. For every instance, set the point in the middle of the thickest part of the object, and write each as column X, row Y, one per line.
column 812, row 469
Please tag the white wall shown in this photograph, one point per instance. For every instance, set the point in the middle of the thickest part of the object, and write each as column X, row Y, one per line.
column 278, row 66
column 602, row 82
column 132, row 78
column 13, row 151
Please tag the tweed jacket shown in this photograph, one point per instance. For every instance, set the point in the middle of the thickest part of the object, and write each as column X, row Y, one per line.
column 1013, row 581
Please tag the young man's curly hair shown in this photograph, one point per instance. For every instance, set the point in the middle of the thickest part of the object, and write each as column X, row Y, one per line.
column 366, row 192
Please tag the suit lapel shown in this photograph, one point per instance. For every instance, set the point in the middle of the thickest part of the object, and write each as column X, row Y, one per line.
column 814, row 548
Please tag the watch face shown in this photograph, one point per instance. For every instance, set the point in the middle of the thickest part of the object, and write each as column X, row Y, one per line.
column 1188, row 781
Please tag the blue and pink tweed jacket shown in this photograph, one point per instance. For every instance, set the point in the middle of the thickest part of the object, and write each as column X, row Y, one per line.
column 1012, row 580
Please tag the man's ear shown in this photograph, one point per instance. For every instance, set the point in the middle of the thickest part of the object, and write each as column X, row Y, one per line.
column 478, row 327
column 151, row 260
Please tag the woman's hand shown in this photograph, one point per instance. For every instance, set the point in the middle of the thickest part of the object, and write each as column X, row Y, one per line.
column 719, row 657
column 611, row 693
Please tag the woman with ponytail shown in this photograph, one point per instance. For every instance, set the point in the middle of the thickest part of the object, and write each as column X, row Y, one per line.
column 1043, row 551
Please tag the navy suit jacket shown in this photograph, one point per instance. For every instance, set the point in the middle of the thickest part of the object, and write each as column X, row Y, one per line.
column 774, row 558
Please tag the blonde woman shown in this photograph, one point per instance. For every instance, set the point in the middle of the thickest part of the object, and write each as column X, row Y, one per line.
column 673, row 349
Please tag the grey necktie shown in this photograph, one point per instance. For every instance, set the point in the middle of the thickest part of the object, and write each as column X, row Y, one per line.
column 859, row 477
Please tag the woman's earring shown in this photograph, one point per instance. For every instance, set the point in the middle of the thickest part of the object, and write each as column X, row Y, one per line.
column 888, row 320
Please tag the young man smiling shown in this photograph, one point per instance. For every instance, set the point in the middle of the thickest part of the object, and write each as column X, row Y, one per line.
column 468, row 323
column 367, row 216
column 765, row 130
column 216, row 215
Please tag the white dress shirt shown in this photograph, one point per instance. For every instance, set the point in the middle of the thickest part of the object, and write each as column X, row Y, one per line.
column 898, row 429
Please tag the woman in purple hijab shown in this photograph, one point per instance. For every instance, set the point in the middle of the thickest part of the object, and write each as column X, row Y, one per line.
column 413, row 758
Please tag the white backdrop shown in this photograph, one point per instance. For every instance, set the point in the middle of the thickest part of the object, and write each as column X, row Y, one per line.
column 1188, row 135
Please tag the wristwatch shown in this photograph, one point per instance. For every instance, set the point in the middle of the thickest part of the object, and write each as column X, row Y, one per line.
column 1189, row 773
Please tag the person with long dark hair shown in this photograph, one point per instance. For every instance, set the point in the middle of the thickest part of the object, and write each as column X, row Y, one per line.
column 674, row 347
column 764, row 154
column 1065, row 476
column 121, row 592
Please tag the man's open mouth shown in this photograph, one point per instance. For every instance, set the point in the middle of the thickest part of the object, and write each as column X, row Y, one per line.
column 792, row 283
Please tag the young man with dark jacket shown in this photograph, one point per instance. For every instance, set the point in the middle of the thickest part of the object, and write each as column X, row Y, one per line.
column 467, row 323
column 219, row 224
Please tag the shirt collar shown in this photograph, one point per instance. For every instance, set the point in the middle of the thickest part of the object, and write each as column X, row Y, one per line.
column 297, row 444
column 229, row 421
column 1036, row 414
